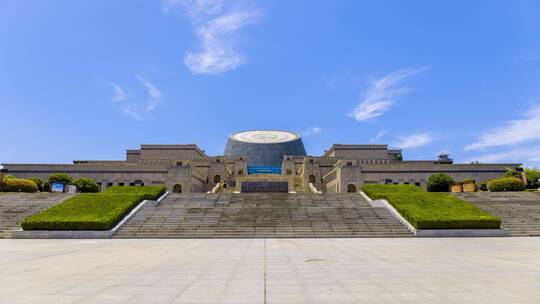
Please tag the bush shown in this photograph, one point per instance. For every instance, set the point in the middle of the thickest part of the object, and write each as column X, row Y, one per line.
column 426, row 210
column 483, row 186
column 86, row 185
column 38, row 181
column 18, row 185
column 91, row 211
column 533, row 175
column 62, row 178
column 505, row 184
column 8, row 177
column 439, row 182
column 509, row 172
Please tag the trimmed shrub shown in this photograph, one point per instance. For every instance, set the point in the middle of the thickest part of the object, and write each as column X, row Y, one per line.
column 8, row 177
column 38, row 181
column 18, row 185
column 62, row 178
column 86, row 185
column 439, row 182
column 483, row 186
column 425, row 210
column 91, row 211
column 505, row 184
column 533, row 175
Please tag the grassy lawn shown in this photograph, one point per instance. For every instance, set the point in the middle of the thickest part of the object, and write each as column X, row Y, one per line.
column 92, row 211
column 432, row 210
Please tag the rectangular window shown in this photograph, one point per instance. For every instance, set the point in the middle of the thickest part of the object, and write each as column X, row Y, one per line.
column 121, row 184
column 109, row 184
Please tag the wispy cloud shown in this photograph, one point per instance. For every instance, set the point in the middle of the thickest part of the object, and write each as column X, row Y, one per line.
column 414, row 140
column 311, row 131
column 154, row 95
column 217, row 30
column 196, row 9
column 378, row 137
column 512, row 132
column 119, row 94
column 134, row 108
column 529, row 154
column 383, row 93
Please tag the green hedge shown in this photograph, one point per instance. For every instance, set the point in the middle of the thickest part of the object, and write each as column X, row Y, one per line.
column 92, row 211
column 505, row 184
column 18, row 185
column 427, row 210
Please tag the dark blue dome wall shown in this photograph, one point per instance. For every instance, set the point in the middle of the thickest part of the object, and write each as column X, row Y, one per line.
column 264, row 154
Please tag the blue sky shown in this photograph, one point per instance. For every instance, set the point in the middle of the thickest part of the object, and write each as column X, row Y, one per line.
column 89, row 79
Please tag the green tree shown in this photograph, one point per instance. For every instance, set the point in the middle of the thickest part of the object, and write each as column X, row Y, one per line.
column 533, row 175
column 509, row 172
column 86, row 185
column 439, row 182
column 62, row 178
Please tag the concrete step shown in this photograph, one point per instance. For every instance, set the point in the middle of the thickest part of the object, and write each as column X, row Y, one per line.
column 519, row 211
column 262, row 215
column 15, row 207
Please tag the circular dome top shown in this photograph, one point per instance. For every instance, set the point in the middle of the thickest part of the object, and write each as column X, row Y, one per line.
column 264, row 147
column 264, row 136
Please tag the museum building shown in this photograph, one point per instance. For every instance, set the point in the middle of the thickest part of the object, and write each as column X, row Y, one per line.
column 262, row 161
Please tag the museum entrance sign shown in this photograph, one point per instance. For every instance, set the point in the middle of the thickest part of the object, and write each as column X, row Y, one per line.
column 265, row 187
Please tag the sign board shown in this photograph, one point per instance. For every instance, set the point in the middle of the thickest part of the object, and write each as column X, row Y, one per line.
column 57, row 187
column 72, row 189
column 261, row 187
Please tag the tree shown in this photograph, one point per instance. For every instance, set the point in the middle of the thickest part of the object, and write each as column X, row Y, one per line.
column 509, row 172
column 86, row 185
column 533, row 175
column 439, row 182
column 62, row 178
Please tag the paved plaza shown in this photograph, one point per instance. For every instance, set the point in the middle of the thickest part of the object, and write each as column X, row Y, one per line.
column 402, row 270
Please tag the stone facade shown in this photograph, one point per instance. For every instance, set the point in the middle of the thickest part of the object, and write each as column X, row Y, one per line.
column 187, row 169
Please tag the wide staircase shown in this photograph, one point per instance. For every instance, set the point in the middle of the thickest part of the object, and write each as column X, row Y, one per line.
column 519, row 211
column 15, row 207
column 262, row 215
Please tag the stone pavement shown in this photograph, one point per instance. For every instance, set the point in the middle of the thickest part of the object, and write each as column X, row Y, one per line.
column 373, row 270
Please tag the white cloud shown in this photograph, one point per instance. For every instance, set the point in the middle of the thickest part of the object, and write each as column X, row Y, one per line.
column 119, row 94
column 378, row 137
column 154, row 95
column 196, row 9
column 129, row 110
column 529, row 154
column 511, row 132
column 138, row 109
column 217, row 31
column 414, row 140
column 383, row 93
column 312, row 131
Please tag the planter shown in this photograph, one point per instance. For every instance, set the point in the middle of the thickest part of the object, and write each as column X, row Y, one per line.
column 469, row 186
column 456, row 188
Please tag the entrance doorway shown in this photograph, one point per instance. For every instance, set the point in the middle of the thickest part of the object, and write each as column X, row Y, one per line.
column 177, row 188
